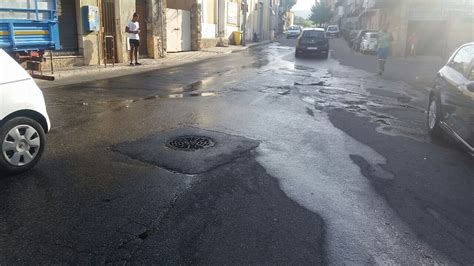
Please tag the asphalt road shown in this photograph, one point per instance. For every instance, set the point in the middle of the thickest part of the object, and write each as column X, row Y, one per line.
column 311, row 162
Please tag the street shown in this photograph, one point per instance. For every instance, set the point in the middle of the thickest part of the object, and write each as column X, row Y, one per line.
column 309, row 161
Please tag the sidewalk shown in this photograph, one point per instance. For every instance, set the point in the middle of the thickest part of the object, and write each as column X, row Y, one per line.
column 419, row 71
column 79, row 74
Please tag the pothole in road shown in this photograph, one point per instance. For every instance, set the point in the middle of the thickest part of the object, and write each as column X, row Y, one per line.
column 335, row 91
column 319, row 83
column 282, row 90
column 300, row 67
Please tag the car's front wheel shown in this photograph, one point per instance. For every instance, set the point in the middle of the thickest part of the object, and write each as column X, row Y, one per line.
column 434, row 116
column 22, row 144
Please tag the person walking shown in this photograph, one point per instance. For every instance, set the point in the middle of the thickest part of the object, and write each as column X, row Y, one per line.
column 412, row 42
column 384, row 39
column 133, row 30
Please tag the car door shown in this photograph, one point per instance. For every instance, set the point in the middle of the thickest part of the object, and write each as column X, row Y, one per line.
column 469, row 92
column 457, row 99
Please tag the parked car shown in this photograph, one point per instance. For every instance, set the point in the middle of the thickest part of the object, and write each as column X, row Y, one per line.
column 358, row 39
column 293, row 32
column 369, row 42
column 23, row 118
column 451, row 101
column 312, row 41
column 333, row 31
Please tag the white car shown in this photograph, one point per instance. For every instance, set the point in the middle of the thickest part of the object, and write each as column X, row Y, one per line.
column 369, row 42
column 23, row 118
column 332, row 31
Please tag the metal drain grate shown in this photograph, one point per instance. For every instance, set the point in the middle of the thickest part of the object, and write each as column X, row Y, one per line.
column 190, row 143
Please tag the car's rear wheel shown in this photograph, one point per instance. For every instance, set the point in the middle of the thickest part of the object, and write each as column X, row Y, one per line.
column 22, row 144
column 434, row 116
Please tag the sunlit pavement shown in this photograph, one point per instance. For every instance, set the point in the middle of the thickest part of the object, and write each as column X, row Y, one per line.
column 312, row 162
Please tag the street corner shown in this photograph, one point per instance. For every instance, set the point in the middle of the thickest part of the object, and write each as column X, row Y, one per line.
column 188, row 150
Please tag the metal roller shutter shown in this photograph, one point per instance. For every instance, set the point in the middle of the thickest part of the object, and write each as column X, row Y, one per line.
column 67, row 25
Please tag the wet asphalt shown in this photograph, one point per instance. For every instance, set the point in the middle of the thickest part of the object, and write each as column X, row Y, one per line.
column 312, row 162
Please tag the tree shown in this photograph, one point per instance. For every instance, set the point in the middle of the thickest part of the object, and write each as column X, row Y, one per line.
column 320, row 14
column 285, row 6
column 299, row 21
column 307, row 23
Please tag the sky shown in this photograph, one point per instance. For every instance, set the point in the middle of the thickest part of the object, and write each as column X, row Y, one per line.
column 303, row 5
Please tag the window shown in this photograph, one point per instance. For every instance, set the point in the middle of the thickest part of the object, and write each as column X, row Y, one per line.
column 373, row 36
column 462, row 60
column 313, row 34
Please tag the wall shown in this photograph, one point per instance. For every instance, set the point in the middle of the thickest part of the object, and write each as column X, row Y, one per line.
column 88, row 41
column 180, row 4
column 267, row 21
column 249, row 24
column 124, row 10
column 226, row 27
column 209, row 19
column 460, row 30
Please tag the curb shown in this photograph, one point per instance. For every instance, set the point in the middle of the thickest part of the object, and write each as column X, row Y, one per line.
column 73, row 76
column 252, row 45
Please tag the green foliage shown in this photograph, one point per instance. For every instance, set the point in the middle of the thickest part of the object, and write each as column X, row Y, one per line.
column 308, row 23
column 320, row 14
column 299, row 21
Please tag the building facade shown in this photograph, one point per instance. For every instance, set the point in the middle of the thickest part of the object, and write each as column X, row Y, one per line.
column 440, row 25
column 166, row 26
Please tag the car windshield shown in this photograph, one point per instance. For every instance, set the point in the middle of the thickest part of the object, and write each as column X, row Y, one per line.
column 293, row 28
column 373, row 36
column 332, row 28
column 313, row 34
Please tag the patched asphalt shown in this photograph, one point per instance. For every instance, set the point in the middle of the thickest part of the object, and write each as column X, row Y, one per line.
column 155, row 150
column 314, row 162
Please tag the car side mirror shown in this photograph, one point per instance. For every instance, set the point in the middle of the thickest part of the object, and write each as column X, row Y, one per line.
column 470, row 87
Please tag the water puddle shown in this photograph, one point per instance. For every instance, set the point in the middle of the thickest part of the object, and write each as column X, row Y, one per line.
column 319, row 83
column 282, row 90
column 300, row 67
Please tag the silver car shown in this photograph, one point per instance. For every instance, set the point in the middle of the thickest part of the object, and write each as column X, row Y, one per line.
column 293, row 32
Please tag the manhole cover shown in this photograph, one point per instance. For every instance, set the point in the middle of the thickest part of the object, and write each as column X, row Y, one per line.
column 190, row 143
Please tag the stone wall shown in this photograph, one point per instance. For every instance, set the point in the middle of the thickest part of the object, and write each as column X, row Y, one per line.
column 180, row 4
column 62, row 62
column 196, row 12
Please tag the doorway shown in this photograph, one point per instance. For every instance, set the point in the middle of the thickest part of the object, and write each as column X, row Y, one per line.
column 142, row 12
column 108, row 28
column 429, row 34
column 178, row 30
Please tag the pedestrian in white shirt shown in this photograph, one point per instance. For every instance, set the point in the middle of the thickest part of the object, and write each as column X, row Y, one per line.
column 133, row 29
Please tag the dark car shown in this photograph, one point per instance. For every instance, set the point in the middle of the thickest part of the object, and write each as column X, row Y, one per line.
column 451, row 102
column 312, row 41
